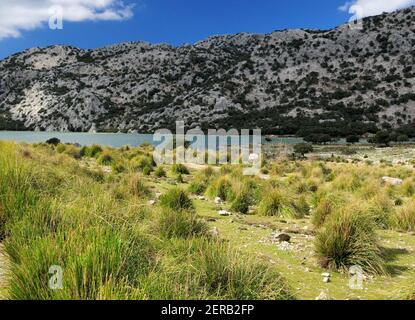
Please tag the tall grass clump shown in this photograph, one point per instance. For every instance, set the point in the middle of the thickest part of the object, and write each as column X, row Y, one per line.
column 176, row 199
column 200, row 183
column 143, row 163
column 276, row 203
column 225, row 273
column 221, row 187
column 105, row 159
column 91, row 151
column 408, row 187
column 325, row 207
column 180, row 169
column 159, row 172
column 381, row 208
column 348, row 239
column 349, row 181
column 218, row 272
column 404, row 218
column 181, row 224
column 243, row 197
column 137, row 187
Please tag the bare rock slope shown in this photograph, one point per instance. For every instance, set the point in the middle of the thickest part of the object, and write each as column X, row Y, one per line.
column 341, row 79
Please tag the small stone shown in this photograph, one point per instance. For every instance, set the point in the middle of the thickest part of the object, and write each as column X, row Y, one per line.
column 214, row 232
column 323, row 296
column 218, row 200
column 203, row 198
column 307, row 269
column 283, row 237
column 224, row 213
column 392, row 181
column 284, row 246
column 326, row 275
column 151, row 202
column 326, row 279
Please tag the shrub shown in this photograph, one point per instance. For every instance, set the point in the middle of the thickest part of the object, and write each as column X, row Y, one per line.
column 222, row 188
column 198, row 185
column 53, row 141
column 143, row 162
column 73, row 152
column 105, row 159
column 179, row 179
column 208, row 172
column 176, row 199
column 118, row 167
column 160, row 172
column 91, row 151
column 179, row 169
column 352, row 139
column 275, row 203
column 137, row 187
column 303, row 148
column 181, row 224
column 60, row 148
column 147, row 170
column 242, row 201
column 348, row 239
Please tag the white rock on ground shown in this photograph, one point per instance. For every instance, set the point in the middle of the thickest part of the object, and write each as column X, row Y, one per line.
column 393, row 181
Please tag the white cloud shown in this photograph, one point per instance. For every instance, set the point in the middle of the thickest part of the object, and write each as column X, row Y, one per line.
column 17, row 16
column 365, row 8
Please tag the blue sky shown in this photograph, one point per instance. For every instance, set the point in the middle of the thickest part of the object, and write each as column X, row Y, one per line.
column 169, row 21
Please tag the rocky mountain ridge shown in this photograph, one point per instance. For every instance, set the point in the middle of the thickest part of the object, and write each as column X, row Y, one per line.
column 340, row 81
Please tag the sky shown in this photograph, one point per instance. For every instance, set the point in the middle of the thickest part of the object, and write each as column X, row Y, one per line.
column 96, row 23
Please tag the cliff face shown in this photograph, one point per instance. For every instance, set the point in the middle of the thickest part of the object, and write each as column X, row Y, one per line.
column 280, row 82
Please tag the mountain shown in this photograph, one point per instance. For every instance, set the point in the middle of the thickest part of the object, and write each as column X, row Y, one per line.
column 339, row 81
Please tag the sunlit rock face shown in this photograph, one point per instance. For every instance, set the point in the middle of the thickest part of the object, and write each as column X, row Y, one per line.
column 276, row 81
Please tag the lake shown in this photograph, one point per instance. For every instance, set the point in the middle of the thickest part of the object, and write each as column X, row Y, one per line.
column 115, row 140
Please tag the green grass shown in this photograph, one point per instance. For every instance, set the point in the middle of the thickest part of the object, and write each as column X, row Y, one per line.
column 112, row 247
column 61, row 206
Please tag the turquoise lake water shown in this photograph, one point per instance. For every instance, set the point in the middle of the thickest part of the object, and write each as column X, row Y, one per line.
column 115, row 140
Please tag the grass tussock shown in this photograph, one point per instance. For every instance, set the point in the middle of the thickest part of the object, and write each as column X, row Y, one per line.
column 277, row 203
column 347, row 239
column 176, row 199
column 404, row 219
column 181, row 224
